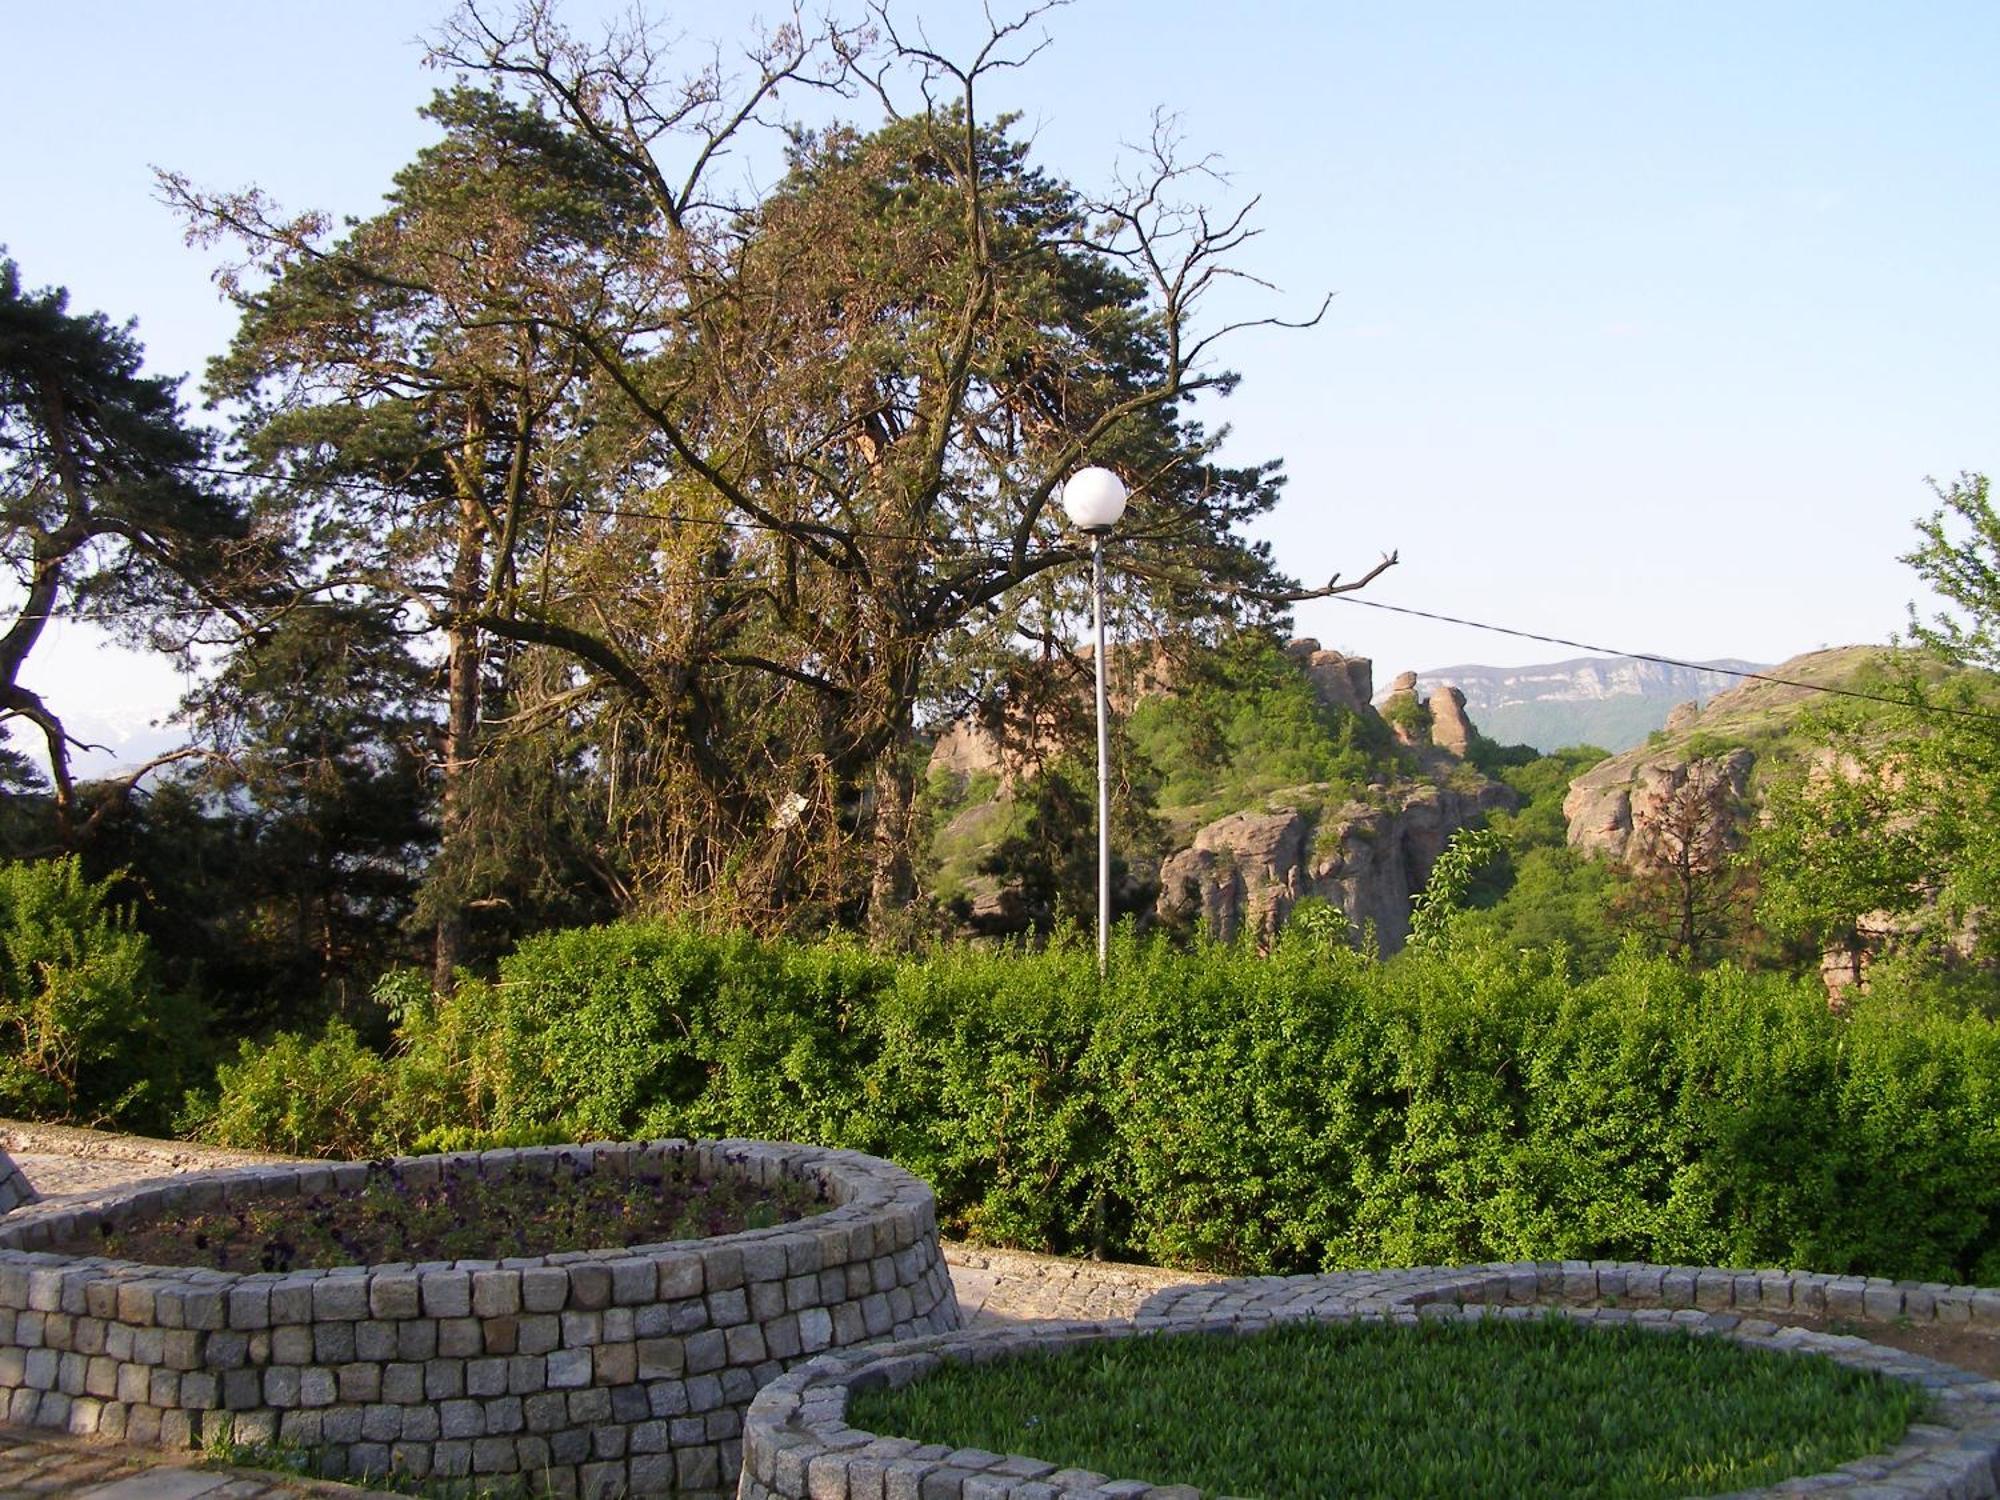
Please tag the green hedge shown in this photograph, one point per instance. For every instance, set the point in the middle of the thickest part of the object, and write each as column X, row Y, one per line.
column 1310, row 1109
column 90, row 1034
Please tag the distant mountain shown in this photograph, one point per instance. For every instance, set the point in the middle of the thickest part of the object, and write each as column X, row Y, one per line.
column 1612, row 701
column 119, row 740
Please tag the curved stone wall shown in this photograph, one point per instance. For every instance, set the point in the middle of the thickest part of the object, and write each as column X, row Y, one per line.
column 606, row 1372
column 799, row 1446
column 15, row 1189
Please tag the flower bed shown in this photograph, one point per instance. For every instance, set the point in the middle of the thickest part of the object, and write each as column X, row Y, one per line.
column 624, row 1369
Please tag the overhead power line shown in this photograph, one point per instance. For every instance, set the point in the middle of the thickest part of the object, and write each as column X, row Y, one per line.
column 1671, row 661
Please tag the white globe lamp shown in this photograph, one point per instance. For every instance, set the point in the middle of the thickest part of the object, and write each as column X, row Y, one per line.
column 1094, row 499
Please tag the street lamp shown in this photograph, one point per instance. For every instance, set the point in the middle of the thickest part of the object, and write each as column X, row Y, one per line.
column 1094, row 499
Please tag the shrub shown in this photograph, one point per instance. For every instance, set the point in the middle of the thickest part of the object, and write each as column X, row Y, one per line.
column 325, row 1097
column 1306, row 1109
column 88, row 1032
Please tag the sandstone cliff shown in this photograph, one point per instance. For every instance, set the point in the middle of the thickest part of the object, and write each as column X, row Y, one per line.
column 1366, row 853
column 1368, row 858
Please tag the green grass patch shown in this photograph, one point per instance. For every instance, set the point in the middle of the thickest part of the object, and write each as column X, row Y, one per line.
column 1499, row 1408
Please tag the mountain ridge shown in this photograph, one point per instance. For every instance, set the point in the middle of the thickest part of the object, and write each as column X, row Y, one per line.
column 1610, row 701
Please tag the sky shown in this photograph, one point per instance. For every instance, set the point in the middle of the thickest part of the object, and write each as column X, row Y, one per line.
column 1648, row 322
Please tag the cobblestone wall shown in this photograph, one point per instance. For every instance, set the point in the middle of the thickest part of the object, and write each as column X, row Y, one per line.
column 799, row 1446
column 601, row 1373
column 14, row 1188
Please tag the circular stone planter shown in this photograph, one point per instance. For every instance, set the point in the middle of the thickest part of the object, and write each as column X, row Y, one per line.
column 606, row 1372
column 799, row 1446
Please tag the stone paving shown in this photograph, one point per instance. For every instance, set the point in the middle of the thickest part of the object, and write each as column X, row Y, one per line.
column 40, row 1464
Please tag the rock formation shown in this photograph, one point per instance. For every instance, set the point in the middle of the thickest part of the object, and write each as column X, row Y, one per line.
column 1338, row 681
column 1451, row 730
column 969, row 748
column 1246, row 872
column 1608, row 806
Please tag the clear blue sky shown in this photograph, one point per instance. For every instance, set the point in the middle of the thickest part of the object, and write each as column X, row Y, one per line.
column 1650, row 320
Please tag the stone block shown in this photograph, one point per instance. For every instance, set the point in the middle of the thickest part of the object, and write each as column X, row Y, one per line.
column 281, row 1386
column 589, row 1286
column 680, row 1276
column 706, row 1350
column 250, row 1306
column 505, row 1415
column 333, row 1344
column 446, row 1294
column 291, row 1345
column 545, row 1412
column 589, row 1407
column 633, row 1281
column 460, row 1338
column 340, row 1298
column 745, row 1343
column 375, row 1339
column 486, row 1377
column 359, row 1382
column 416, row 1339
column 394, row 1294
column 568, row 1368
column 444, row 1379
column 527, row 1374
column 615, row 1364
column 461, row 1419
column 403, row 1382
column 291, row 1300
column 496, row 1293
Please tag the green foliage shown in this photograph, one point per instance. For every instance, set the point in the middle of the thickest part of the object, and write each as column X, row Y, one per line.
column 1317, row 921
column 321, row 1097
column 1249, row 724
column 1434, row 908
column 1407, row 712
column 1960, row 559
column 1890, row 841
column 1538, row 894
column 88, row 1033
column 1309, row 1109
column 1355, row 1410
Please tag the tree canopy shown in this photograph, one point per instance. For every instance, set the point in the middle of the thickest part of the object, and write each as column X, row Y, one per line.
column 732, row 493
column 106, row 508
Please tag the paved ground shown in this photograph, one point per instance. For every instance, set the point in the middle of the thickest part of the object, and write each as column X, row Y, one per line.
column 995, row 1287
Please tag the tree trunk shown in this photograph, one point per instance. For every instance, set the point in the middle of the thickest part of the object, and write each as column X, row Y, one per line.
column 892, row 869
column 892, row 876
column 461, row 740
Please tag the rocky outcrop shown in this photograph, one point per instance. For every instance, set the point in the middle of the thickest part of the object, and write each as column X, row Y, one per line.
column 1338, row 680
column 1610, row 806
column 1246, row 872
column 1451, row 730
column 969, row 748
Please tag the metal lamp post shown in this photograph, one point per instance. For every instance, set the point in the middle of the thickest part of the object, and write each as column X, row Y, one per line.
column 1094, row 499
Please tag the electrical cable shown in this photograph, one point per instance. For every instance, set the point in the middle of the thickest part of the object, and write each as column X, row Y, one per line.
column 1670, row 661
